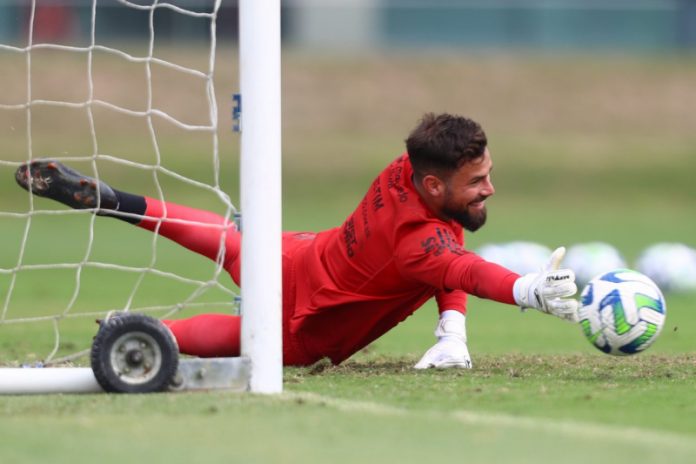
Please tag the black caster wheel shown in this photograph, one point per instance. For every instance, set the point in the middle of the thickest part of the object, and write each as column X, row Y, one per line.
column 134, row 353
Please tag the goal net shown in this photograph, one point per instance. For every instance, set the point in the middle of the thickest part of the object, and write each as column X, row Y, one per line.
column 138, row 109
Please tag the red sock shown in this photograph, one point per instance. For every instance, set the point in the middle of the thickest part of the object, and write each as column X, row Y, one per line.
column 207, row 335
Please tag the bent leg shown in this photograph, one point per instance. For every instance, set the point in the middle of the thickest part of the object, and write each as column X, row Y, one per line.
column 207, row 335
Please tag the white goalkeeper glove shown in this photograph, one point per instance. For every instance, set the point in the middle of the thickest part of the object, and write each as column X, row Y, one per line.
column 549, row 290
column 450, row 350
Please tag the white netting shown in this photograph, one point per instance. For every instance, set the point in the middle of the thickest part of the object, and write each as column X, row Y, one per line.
column 60, row 268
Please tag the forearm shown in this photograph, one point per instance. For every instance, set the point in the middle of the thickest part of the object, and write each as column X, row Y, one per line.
column 451, row 300
column 482, row 279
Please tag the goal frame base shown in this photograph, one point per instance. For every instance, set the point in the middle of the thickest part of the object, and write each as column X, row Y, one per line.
column 229, row 374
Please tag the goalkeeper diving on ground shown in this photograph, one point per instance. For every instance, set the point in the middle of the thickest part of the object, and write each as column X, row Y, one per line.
column 345, row 287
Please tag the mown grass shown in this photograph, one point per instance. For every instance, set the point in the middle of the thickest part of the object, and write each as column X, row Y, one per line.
column 510, row 408
column 588, row 388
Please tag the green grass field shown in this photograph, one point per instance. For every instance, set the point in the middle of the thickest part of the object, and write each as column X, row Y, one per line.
column 585, row 148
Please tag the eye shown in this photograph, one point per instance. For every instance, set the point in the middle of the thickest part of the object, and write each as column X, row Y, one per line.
column 478, row 180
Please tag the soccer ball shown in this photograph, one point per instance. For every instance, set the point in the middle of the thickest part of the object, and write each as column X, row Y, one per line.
column 671, row 265
column 591, row 259
column 622, row 312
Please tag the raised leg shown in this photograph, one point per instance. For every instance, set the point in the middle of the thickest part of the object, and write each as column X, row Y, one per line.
column 200, row 231
column 52, row 179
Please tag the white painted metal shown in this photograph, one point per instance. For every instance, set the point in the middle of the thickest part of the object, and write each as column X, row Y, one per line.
column 259, row 50
column 231, row 374
column 27, row 381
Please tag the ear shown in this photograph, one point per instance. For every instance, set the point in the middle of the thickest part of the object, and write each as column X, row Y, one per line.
column 433, row 185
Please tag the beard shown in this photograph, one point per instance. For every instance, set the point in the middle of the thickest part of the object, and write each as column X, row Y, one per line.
column 470, row 221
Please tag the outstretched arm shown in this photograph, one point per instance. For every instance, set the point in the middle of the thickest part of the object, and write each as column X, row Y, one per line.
column 428, row 254
column 548, row 290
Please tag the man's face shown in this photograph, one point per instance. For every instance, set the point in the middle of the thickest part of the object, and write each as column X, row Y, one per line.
column 466, row 192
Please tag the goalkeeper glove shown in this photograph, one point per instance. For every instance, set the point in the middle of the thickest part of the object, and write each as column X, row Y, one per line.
column 450, row 350
column 549, row 289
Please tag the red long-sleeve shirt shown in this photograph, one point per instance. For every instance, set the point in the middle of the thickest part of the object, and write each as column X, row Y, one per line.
column 344, row 287
column 357, row 281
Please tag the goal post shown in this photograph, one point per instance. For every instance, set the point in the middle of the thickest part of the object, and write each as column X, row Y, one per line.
column 149, row 283
column 259, row 54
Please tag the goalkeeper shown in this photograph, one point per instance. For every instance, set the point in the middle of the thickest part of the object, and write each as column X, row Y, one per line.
column 347, row 286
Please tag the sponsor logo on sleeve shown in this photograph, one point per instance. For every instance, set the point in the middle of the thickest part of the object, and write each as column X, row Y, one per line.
column 442, row 241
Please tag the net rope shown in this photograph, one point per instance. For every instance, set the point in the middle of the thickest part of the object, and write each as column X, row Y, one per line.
column 11, row 315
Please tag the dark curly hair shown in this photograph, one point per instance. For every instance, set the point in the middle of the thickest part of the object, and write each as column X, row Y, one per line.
column 442, row 143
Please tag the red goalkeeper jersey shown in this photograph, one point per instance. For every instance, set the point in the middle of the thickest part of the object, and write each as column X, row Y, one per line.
column 344, row 287
column 353, row 283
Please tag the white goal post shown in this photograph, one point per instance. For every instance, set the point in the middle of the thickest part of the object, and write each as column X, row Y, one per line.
column 259, row 49
column 260, row 365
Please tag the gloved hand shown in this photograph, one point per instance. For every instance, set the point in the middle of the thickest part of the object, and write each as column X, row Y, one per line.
column 549, row 289
column 450, row 350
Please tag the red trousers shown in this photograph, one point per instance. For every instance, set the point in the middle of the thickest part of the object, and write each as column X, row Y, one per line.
column 214, row 335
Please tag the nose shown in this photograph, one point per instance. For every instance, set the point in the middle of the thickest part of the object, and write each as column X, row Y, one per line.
column 487, row 188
